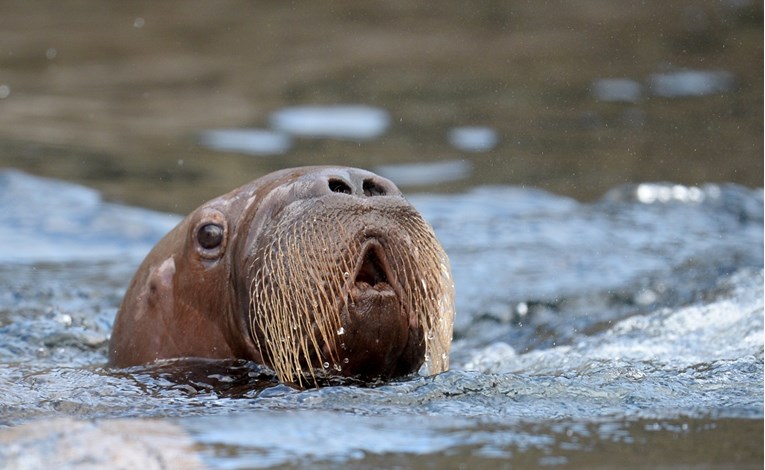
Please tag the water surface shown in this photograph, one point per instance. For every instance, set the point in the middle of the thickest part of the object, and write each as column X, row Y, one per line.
column 625, row 331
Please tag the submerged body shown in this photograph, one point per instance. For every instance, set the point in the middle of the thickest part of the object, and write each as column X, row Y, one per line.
column 310, row 271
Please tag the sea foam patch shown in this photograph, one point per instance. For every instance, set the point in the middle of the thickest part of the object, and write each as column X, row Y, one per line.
column 419, row 174
column 247, row 141
column 352, row 122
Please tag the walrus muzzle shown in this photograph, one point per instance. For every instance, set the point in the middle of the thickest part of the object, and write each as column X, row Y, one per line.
column 358, row 288
column 312, row 271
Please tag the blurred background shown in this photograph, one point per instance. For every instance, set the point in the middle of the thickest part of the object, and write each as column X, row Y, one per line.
column 166, row 104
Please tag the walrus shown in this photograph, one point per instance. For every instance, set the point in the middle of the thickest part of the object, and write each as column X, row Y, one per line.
column 313, row 272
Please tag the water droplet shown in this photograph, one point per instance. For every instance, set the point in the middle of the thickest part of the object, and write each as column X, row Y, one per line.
column 139, row 22
column 5, row 91
column 51, row 53
column 341, row 331
column 346, row 274
column 326, row 365
column 337, row 367
column 345, row 360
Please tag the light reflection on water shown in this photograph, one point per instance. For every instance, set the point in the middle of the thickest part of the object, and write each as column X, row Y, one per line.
column 352, row 122
column 247, row 141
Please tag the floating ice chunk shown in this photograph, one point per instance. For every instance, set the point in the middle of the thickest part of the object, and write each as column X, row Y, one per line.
column 473, row 139
column 354, row 122
column 691, row 83
column 415, row 174
column 617, row 89
column 247, row 141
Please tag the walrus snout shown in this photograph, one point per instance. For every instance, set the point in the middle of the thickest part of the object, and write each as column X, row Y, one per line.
column 344, row 181
column 361, row 183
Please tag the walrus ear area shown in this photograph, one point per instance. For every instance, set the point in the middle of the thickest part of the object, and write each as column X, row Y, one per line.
column 210, row 233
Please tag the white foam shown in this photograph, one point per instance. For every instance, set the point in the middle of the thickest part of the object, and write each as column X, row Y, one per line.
column 247, row 141
column 689, row 83
column 617, row 89
column 417, row 174
column 725, row 330
column 353, row 122
column 473, row 139
column 45, row 220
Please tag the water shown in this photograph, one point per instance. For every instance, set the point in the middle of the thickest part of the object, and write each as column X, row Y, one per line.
column 581, row 96
column 687, row 83
column 419, row 174
column 473, row 139
column 353, row 122
column 628, row 331
column 247, row 141
column 349, row 122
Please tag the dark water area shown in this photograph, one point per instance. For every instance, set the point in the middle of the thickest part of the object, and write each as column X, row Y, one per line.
column 578, row 97
column 604, row 318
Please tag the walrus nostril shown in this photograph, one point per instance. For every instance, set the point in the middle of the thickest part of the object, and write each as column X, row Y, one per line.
column 339, row 186
column 372, row 188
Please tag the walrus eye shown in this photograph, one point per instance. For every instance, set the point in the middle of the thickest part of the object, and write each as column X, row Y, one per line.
column 210, row 236
column 339, row 186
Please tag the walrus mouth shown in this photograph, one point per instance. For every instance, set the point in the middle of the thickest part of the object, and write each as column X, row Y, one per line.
column 373, row 270
column 343, row 292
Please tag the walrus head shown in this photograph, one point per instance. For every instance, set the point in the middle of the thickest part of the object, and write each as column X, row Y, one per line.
column 314, row 271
